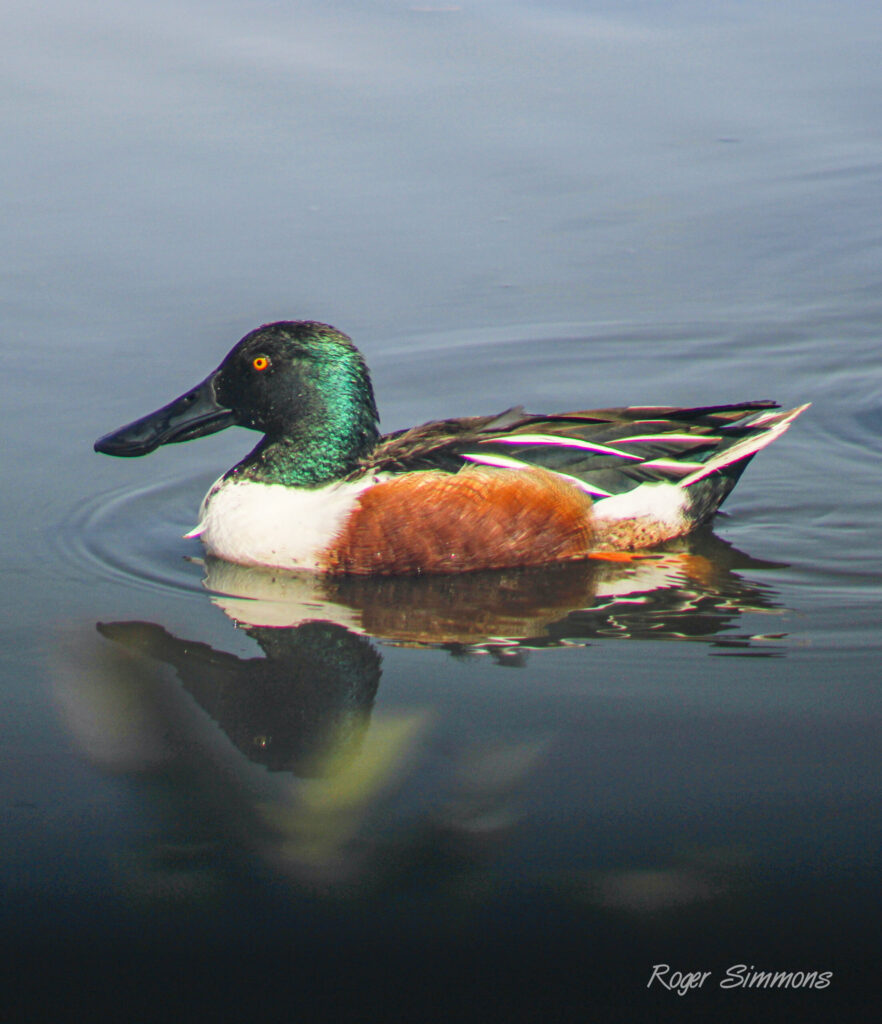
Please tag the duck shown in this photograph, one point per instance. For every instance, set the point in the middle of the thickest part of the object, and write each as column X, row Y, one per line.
column 324, row 491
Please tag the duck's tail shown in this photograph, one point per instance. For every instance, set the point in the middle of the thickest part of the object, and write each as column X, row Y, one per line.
column 659, row 510
column 710, row 484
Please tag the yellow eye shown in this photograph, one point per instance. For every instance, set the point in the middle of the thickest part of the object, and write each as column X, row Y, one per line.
column 260, row 362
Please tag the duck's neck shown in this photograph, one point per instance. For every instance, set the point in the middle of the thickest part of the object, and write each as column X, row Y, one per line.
column 324, row 443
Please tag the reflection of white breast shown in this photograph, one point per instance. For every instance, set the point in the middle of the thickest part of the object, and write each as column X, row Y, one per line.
column 264, row 597
column 269, row 524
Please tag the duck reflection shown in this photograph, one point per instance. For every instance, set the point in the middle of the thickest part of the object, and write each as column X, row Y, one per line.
column 304, row 705
column 313, row 689
column 317, row 759
column 690, row 590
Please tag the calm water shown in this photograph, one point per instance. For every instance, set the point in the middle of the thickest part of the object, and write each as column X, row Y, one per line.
column 510, row 795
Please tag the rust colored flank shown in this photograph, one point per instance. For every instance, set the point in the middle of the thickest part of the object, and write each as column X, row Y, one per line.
column 479, row 518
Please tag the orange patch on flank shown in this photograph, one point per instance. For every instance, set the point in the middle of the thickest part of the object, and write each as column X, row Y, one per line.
column 479, row 518
column 617, row 556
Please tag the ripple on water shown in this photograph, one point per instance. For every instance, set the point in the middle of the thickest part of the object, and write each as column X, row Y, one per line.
column 134, row 535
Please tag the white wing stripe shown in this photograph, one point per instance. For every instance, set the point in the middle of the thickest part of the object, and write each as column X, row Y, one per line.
column 503, row 462
column 583, row 485
column 673, row 466
column 672, row 438
column 565, row 442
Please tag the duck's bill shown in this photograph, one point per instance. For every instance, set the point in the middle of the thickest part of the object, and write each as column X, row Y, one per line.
column 194, row 414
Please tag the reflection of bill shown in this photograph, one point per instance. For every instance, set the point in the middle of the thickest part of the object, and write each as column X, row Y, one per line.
column 690, row 590
column 313, row 690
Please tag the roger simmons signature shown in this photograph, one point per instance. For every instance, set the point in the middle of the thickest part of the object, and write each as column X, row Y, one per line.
column 736, row 976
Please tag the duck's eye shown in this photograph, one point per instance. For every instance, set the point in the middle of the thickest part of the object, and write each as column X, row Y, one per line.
column 260, row 362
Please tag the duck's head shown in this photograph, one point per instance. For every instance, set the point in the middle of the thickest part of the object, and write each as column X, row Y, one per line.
column 297, row 382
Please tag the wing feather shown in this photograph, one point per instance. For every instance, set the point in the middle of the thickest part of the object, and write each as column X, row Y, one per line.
column 603, row 451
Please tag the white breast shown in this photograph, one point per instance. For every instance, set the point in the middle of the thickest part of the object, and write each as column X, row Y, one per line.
column 268, row 524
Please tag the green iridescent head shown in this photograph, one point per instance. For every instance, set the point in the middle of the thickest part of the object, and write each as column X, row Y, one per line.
column 304, row 385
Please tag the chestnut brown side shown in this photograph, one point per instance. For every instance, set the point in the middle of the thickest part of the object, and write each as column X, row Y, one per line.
column 479, row 518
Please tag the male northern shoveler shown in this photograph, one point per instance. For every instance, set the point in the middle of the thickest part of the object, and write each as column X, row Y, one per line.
column 323, row 490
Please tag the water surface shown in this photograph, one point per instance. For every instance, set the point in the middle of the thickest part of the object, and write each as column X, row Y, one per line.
column 512, row 794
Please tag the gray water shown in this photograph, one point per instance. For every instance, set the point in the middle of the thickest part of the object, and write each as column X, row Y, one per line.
column 508, row 796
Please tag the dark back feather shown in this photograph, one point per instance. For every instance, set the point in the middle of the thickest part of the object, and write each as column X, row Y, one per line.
column 606, row 451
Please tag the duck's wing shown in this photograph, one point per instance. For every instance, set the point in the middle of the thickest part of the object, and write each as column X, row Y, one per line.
column 602, row 451
column 436, row 445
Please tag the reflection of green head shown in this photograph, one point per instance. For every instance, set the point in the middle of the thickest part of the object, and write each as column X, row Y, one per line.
column 315, row 688
column 313, row 691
